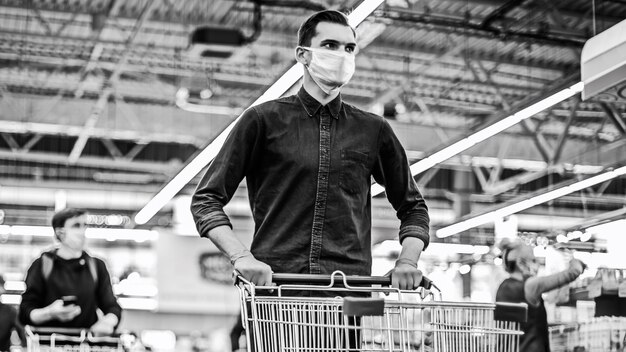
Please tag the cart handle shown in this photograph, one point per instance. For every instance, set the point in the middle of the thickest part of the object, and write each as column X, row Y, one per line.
column 352, row 280
column 68, row 332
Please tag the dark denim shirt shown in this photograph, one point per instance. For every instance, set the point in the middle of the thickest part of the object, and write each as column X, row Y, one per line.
column 308, row 169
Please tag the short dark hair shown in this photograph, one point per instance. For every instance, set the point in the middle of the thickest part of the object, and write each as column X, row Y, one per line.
column 59, row 219
column 308, row 29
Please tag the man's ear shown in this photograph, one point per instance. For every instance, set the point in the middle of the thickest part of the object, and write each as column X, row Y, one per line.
column 302, row 56
column 59, row 233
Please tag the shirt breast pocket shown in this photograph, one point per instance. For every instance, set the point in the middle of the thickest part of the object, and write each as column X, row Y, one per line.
column 354, row 176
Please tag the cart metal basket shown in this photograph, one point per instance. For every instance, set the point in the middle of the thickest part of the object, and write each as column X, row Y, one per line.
column 39, row 339
column 391, row 320
column 605, row 334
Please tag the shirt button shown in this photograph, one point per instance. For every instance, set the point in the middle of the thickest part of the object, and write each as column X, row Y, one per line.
column 324, row 127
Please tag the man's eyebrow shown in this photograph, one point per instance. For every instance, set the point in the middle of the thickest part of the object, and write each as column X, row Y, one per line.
column 332, row 41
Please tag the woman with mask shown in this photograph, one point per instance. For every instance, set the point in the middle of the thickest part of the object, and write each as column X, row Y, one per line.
column 524, row 286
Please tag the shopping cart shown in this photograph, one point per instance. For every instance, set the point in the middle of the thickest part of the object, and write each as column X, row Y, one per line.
column 390, row 320
column 604, row 334
column 43, row 339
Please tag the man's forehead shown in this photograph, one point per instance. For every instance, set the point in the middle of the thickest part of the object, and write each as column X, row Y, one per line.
column 76, row 219
column 333, row 32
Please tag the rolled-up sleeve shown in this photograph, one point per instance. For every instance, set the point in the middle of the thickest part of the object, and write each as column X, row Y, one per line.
column 392, row 171
column 233, row 162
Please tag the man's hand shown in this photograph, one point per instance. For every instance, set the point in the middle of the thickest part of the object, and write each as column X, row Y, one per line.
column 57, row 311
column 254, row 270
column 406, row 276
column 104, row 326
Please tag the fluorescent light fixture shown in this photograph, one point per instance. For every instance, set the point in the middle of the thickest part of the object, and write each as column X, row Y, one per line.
column 136, row 235
column 362, row 11
column 207, row 109
column 136, row 288
column 15, row 286
column 489, row 131
column 529, row 203
column 11, row 299
column 109, row 234
column 285, row 82
column 138, row 303
column 36, row 231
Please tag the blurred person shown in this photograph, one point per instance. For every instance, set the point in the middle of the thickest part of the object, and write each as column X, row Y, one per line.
column 308, row 160
column 524, row 286
column 65, row 287
column 9, row 323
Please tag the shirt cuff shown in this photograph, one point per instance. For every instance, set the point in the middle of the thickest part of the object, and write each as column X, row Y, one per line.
column 415, row 231
column 211, row 221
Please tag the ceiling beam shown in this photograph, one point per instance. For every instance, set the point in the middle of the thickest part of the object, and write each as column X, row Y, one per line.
column 19, row 127
column 165, row 168
column 108, row 88
column 611, row 154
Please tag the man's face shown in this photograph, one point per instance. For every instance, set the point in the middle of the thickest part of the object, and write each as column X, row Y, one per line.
column 73, row 233
column 334, row 37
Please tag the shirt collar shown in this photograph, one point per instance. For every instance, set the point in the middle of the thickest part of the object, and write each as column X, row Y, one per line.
column 311, row 106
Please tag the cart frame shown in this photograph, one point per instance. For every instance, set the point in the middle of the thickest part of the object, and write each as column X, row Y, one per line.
column 48, row 339
column 398, row 321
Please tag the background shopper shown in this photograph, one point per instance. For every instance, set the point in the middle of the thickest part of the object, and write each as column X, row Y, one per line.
column 524, row 286
column 65, row 287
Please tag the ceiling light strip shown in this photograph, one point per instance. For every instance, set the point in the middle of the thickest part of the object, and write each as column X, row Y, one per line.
column 487, row 132
column 109, row 234
column 528, row 203
column 204, row 158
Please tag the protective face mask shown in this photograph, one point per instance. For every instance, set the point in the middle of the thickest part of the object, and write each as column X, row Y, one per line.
column 330, row 70
column 75, row 239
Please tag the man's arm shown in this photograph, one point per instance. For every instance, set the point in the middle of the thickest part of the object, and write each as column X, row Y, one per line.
column 237, row 157
column 392, row 171
column 244, row 262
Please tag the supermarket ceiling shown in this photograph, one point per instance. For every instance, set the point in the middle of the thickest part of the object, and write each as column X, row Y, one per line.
column 91, row 91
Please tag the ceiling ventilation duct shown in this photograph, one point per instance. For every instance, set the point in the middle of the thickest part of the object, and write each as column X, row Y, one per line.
column 221, row 43
column 206, row 42
column 603, row 65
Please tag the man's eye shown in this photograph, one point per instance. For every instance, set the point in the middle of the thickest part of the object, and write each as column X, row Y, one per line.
column 350, row 49
column 330, row 45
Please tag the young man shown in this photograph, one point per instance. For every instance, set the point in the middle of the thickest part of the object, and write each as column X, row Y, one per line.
column 524, row 286
column 9, row 323
column 65, row 287
column 308, row 160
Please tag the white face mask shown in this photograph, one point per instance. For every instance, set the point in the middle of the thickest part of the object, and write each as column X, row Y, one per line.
column 74, row 233
column 330, row 70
